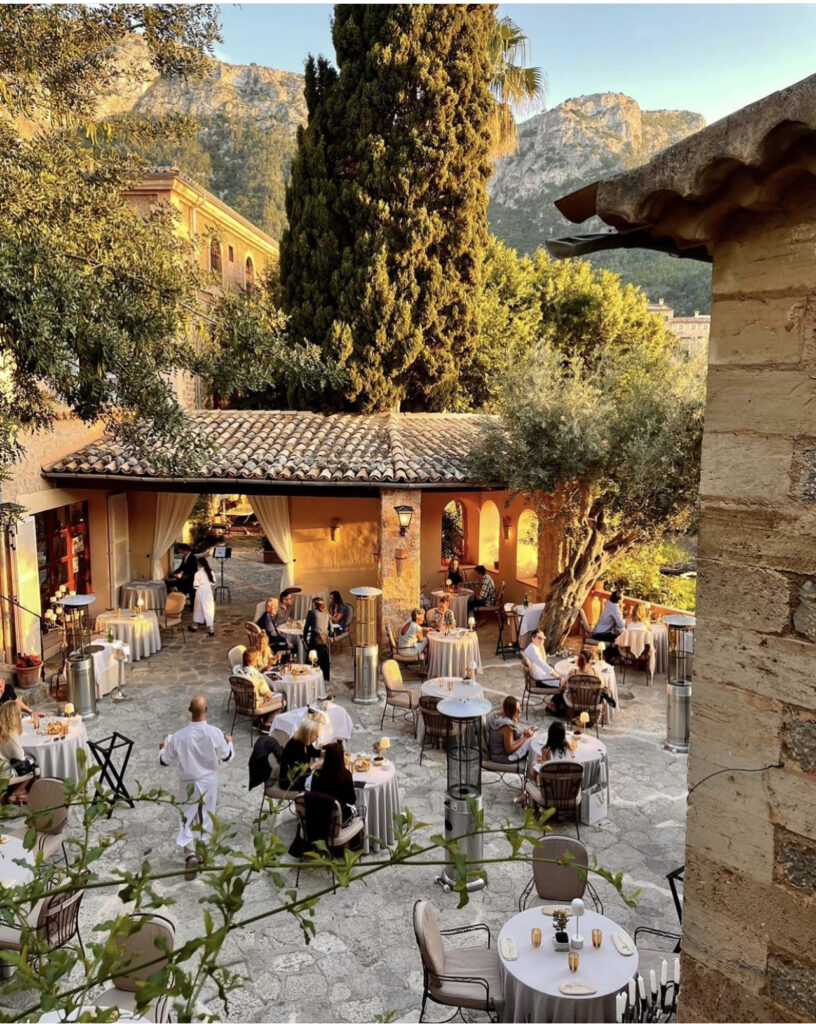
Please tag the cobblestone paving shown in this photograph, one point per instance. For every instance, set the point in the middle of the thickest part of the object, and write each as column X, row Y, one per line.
column 364, row 960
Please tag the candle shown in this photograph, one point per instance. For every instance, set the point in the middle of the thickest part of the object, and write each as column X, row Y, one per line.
column 653, row 981
column 620, row 1006
column 583, row 718
column 472, row 623
column 385, row 743
column 641, row 988
column 313, row 656
column 664, row 973
column 676, row 972
column 631, row 991
column 68, row 709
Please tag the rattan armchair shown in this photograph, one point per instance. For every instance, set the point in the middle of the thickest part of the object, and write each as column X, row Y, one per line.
column 246, row 707
column 416, row 662
column 644, row 662
column 396, row 696
column 434, row 723
column 541, row 689
column 254, row 634
column 553, row 882
column 468, row 978
column 173, row 609
column 583, row 693
column 144, row 953
column 559, row 789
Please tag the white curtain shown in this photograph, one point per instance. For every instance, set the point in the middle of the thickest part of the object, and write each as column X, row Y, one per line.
column 272, row 511
column 172, row 512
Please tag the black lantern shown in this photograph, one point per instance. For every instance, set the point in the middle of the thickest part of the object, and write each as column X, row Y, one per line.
column 405, row 514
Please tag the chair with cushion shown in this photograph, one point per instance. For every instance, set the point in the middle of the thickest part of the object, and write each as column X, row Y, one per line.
column 468, row 978
column 15, row 784
column 434, row 723
column 56, row 919
column 144, row 953
column 541, row 689
column 245, row 706
column 501, row 768
column 173, row 607
column 338, row 836
column 273, row 790
column 583, row 693
column 339, row 639
column 587, row 640
column 235, row 657
column 254, row 634
column 416, row 662
column 558, row 883
column 396, row 696
column 559, row 788
column 47, row 812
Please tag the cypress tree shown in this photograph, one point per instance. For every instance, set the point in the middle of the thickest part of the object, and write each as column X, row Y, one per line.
column 381, row 265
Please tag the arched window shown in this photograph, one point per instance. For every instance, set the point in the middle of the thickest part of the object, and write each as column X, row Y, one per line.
column 453, row 530
column 527, row 545
column 249, row 273
column 489, row 535
column 215, row 256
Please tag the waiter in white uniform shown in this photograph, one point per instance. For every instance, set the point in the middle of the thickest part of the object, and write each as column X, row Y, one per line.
column 197, row 750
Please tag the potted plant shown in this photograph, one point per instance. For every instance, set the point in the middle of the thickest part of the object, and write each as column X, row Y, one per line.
column 28, row 668
column 270, row 556
column 561, row 942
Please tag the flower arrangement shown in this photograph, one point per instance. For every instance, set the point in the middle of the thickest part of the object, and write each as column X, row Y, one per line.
column 27, row 660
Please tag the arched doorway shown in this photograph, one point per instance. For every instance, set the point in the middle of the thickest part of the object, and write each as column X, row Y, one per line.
column 453, row 530
column 489, row 525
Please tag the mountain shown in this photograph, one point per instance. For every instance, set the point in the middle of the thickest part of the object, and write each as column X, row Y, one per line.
column 574, row 144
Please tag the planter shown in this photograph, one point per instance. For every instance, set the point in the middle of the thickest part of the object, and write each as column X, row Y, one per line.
column 28, row 678
column 561, row 942
column 270, row 558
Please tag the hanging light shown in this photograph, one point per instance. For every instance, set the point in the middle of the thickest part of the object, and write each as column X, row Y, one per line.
column 506, row 527
column 405, row 514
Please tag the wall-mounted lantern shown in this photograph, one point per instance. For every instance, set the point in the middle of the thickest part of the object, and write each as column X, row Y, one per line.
column 334, row 528
column 506, row 527
column 405, row 514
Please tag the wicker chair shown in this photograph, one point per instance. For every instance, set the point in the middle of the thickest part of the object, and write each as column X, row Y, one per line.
column 584, row 694
column 173, row 608
column 144, row 953
column 254, row 634
column 468, row 978
column 587, row 640
column 274, row 791
column 640, row 663
column 337, row 641
column 396, row 696
column 245, row 706
column 501, row 768
column 559, row 788
column 56, row 919
column 536, row 687
column 416, row 662
column 47, row 812
column 434, row 723
column 558, row 883
column 339, row 838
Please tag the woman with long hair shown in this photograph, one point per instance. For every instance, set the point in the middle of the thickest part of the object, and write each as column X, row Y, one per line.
column 556, row 748
column 335, row 780
column 11, row 749
column 298, row 755
column 204, row 607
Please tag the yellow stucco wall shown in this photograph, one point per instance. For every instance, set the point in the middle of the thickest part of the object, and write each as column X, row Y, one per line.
column 323, row 564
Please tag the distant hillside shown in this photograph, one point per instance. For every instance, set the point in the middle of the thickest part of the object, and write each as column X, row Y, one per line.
column 578, row 142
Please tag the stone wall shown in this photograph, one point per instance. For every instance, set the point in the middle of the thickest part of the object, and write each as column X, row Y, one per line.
column 400, row 592
column 749, row 925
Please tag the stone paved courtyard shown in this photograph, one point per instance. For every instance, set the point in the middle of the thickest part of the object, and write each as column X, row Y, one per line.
column 364, row 960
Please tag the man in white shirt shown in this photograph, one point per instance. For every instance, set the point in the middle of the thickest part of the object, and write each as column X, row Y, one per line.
column 539, row 669
column 197, row 750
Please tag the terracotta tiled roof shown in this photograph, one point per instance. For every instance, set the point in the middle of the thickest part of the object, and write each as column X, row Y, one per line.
column 381, row 449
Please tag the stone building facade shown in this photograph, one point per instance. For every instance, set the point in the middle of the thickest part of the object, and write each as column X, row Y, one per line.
column 744, row 192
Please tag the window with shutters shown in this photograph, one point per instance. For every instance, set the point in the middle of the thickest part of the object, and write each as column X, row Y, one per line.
column 118, row 544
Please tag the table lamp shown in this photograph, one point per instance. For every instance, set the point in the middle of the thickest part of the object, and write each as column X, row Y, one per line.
column 577, row 908
column 472, row 623
column 313, row 658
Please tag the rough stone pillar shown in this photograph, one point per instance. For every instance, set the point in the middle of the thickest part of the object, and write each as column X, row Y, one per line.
column 400, row 592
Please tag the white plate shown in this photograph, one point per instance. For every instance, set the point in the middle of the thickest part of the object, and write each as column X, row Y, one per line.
column 577, row 988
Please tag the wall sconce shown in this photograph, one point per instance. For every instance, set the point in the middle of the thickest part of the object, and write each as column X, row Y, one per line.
column 506, row 527
column 334, row 527
column 405, row 514
column 376, row 553
column 400, row 557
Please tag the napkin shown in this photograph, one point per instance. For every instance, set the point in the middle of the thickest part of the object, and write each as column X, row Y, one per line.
column 508, row 947
column 551, row 909
column 577, row 988
column 623, row 943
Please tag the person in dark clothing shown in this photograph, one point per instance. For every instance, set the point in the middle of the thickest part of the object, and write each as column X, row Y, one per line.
column 298, row 755
column 182, row 577
column 7, row 692
column 454, row 573
column 316, row 635
column 269, row 624
column 335, row 780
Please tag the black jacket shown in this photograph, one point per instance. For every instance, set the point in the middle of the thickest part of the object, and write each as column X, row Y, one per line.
column 341, row 788
column 296, row 755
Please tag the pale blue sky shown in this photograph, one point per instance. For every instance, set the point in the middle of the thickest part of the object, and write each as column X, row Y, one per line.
column 709, row 58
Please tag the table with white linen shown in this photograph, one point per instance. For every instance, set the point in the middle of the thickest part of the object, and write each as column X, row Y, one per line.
column 12, row 849
column 301, row 689
column 57, row 757
column 139, row 632
column 106, row 666
column 302, row 603
column 528, row 617
column 589, row 752
column 608, row 679
column 152, row 594
column 458, row 603
column 381, row 798
column 451, row 655
column 459, row 689
column 294, row 634
column 636, row 640
column 338, row 727
column 531, row 981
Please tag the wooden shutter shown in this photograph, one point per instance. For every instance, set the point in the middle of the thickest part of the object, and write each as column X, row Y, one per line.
column 27, row 585
column 118, row 545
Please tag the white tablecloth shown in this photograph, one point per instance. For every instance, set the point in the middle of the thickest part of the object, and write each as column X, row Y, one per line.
column 300, row 690
column 294, row 635
column 458, row 604
column 660, row 634
column 608, row 678
column 140, row 633
column 152, row 592
column 636, row 640
column 590, row 752
column 529, row 617
column 11, row 850
column 452, row 655
column 302, row 603
column 531, row 982
column 106, row 667
column 56, row 757
column 382, row 799
column 338, row 727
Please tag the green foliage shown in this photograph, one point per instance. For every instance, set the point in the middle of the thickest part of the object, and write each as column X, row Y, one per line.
column 381, row 263
column 637, row 573
column 516, row 89
column 453, row 534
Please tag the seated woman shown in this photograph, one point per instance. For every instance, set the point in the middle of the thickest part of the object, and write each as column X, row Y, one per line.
column 411, row 639
column 556, row 748
column 11, row 749
column 338, row 612
column 507, row 741
column 267, row 658
column 455, row 575
column 298, row 755
column 585, row 665
column 252, row 669
column 268, row 622
column 441, row 616
column 638, row 618
column 335, row 780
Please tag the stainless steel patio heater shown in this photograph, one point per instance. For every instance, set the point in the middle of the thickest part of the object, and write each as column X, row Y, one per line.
column 366, row 648
column 463, row 797
column 679, row 670
column 80, row 671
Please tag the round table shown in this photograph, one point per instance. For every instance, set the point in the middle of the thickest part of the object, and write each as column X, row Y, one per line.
column 589, row 752
column 139, row 632
column 294, row 634
column 458, row 603
column 531, row 981
column 608, row 679
column 10, row 850
column 380, row 796
column 451, row 655
column 338, row 727
column 300, row 690
column 462, row 690
column 152, row 594
column 528, row 617
column 56, row 757
column 106, row 666
column 302, row 603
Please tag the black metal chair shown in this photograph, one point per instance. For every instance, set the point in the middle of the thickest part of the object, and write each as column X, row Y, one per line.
column 508, row 638
column 673, row 878
column 434, row 723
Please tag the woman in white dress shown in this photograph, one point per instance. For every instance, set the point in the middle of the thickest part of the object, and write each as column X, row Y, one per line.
column 204, row 607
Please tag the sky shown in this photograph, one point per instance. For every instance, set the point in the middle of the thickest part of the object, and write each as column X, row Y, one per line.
column 708, row 58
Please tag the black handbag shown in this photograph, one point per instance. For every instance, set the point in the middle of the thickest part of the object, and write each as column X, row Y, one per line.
column 24, row 766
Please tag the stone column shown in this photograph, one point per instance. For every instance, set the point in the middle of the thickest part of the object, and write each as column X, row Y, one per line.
column 399, row 571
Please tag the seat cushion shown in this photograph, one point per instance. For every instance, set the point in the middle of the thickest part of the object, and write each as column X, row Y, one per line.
column 348, row 832
column 273, row 703
column 500, row 766
column 472, row 962
column 10, row 937
column 403, row 699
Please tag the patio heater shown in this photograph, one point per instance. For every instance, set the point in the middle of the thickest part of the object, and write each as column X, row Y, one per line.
column 678, row 681
column 463, row 797
column 366, row 648
column 80, row 670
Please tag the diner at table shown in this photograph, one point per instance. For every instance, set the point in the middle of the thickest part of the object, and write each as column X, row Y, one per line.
column 140, row 631
column 441, row 616
column 605, row 672
column 453, row 654
column 458, row 601
column 579, row 746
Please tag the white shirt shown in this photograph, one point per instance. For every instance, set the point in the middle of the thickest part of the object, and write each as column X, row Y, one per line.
column 537, row 657
column 611, row 620
column 197, row 749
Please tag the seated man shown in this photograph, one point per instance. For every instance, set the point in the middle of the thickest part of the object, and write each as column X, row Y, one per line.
column 440, row 616
column 7, row 692
column 182, row 578
column 485, row 594
column 610, row 624
column 268, row 622
column 285, row 610
column 539, row 669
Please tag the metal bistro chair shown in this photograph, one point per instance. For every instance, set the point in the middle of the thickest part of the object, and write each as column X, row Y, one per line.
column 245, row 706
column 584, row 692
column 558, row 883
column 468, row 978
column 413, row 661
column 673, row 877
column 559, row 788
column 587, row 640
column 273, row 790
column 508, row 639
column 173, row 609
column 489, row 609
column 144, row 953
column 56, row 919
column 339, row 836
column 640, row 663
column 48, row 814
column 337, row 641
column 536, row 687
column 396, row 696
column 434, row 723
column 501, row 768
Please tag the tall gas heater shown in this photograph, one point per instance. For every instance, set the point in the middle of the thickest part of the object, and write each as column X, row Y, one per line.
column 366, row 648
